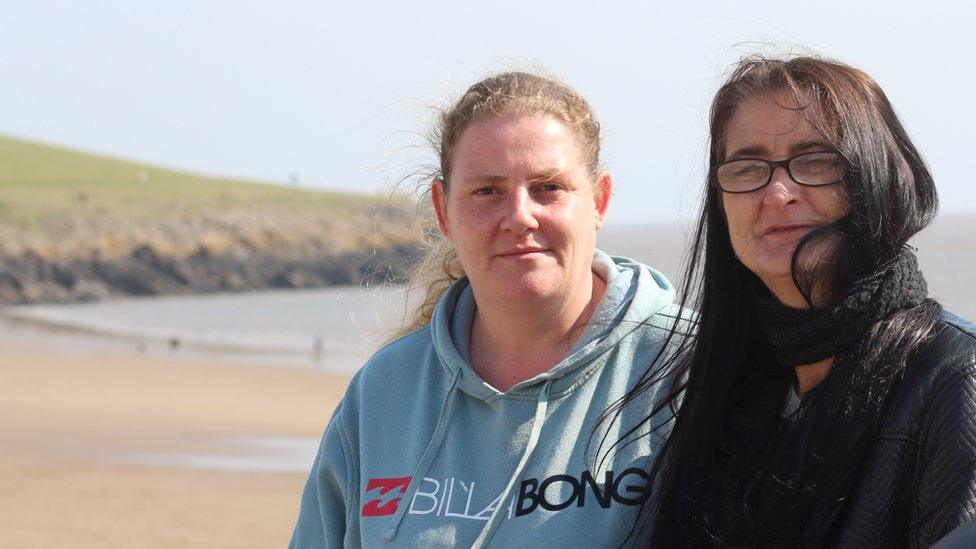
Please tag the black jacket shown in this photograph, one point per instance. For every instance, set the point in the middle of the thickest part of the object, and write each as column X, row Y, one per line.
column 920, row 481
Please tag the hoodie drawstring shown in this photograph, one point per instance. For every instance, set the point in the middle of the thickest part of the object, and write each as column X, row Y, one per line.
column 540, row 417
column 426, row 459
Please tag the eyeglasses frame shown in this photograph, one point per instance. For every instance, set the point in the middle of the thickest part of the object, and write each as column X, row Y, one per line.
column 773, row 164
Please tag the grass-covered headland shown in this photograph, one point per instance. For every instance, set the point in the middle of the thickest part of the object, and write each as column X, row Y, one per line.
column 76, row 226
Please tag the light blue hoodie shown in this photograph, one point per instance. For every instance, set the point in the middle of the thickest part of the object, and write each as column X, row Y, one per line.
column 422, row 452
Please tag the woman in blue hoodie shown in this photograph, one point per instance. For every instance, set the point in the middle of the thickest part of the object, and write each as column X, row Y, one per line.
column 482, row 423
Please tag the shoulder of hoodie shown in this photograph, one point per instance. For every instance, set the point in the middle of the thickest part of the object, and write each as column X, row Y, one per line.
column 405, row 366
column 671, row 317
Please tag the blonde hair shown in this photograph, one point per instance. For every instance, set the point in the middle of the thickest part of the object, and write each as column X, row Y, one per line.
column 503, row 94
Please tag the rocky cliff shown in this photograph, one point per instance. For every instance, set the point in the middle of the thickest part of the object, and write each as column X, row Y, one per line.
column 76, row 227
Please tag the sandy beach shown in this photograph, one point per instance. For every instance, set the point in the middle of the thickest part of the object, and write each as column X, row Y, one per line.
column 80, row 433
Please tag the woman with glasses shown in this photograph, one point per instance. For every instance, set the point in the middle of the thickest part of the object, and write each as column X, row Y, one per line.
column 825, row 399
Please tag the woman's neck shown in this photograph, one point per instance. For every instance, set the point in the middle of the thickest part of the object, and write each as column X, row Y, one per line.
column 514, row 342
column 809, row 376
column 786, row 292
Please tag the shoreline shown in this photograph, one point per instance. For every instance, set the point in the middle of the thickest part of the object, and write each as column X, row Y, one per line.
column 29, row 335
column 334, row 329
column 192, row 350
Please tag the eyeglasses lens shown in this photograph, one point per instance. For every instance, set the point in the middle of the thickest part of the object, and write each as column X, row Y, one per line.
column 817, row 168
column 742, row 175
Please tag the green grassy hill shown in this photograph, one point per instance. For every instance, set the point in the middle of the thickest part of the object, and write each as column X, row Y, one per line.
column 39, row 182
column 59, row 205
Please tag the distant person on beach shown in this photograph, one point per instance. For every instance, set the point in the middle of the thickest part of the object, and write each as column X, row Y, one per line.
column 482, row 423
column 318, row 346
column 826, row 401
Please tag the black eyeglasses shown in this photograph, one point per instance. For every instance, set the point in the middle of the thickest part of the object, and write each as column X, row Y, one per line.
column 813, row 169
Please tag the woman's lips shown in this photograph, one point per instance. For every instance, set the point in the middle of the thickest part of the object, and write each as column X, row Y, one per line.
column 522, row 253
column 787, row 232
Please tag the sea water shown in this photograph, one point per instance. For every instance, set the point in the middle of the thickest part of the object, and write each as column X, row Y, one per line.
column 333, row 329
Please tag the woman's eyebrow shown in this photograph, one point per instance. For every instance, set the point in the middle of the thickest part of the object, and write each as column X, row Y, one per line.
column 485, row 178
column 812, row 145
column 546, row 175
column 754, row 150
column 493, row 178
column 796, row 148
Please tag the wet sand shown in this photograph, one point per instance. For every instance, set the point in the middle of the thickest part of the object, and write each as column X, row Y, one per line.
column 73, row 425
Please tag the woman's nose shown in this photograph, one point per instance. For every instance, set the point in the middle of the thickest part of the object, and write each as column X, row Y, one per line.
column 519, row 215
column 782, row 189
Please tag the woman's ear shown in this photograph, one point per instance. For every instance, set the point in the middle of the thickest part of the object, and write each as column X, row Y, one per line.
column 601, row 197
column 438, row 195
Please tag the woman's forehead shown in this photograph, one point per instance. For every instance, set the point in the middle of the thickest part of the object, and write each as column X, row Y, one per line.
column 770, row 124
column 496, row 144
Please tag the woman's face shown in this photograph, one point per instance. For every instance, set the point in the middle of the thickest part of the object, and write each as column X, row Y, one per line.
column 520, row 208
column 765, row 225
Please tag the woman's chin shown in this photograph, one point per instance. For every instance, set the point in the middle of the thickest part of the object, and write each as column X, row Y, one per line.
column 531, row 287
column 774, row 275
column 530, row 293
column 773, row 262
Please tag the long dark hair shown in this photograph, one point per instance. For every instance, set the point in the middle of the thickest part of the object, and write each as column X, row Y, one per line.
column 729, row 474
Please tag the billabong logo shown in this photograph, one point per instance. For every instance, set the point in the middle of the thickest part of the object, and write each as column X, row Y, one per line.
column 386, row 493
column 455, row 498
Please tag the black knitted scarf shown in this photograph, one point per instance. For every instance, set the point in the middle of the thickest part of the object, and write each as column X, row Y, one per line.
column 805, row 336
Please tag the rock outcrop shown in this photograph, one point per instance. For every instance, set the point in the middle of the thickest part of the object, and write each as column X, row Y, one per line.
column 83, row 257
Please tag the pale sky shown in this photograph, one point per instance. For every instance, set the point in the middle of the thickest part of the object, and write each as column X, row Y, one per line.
column 336, row 92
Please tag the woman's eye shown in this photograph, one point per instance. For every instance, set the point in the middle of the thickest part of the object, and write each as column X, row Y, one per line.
column 550, row 187
column 750, row 169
